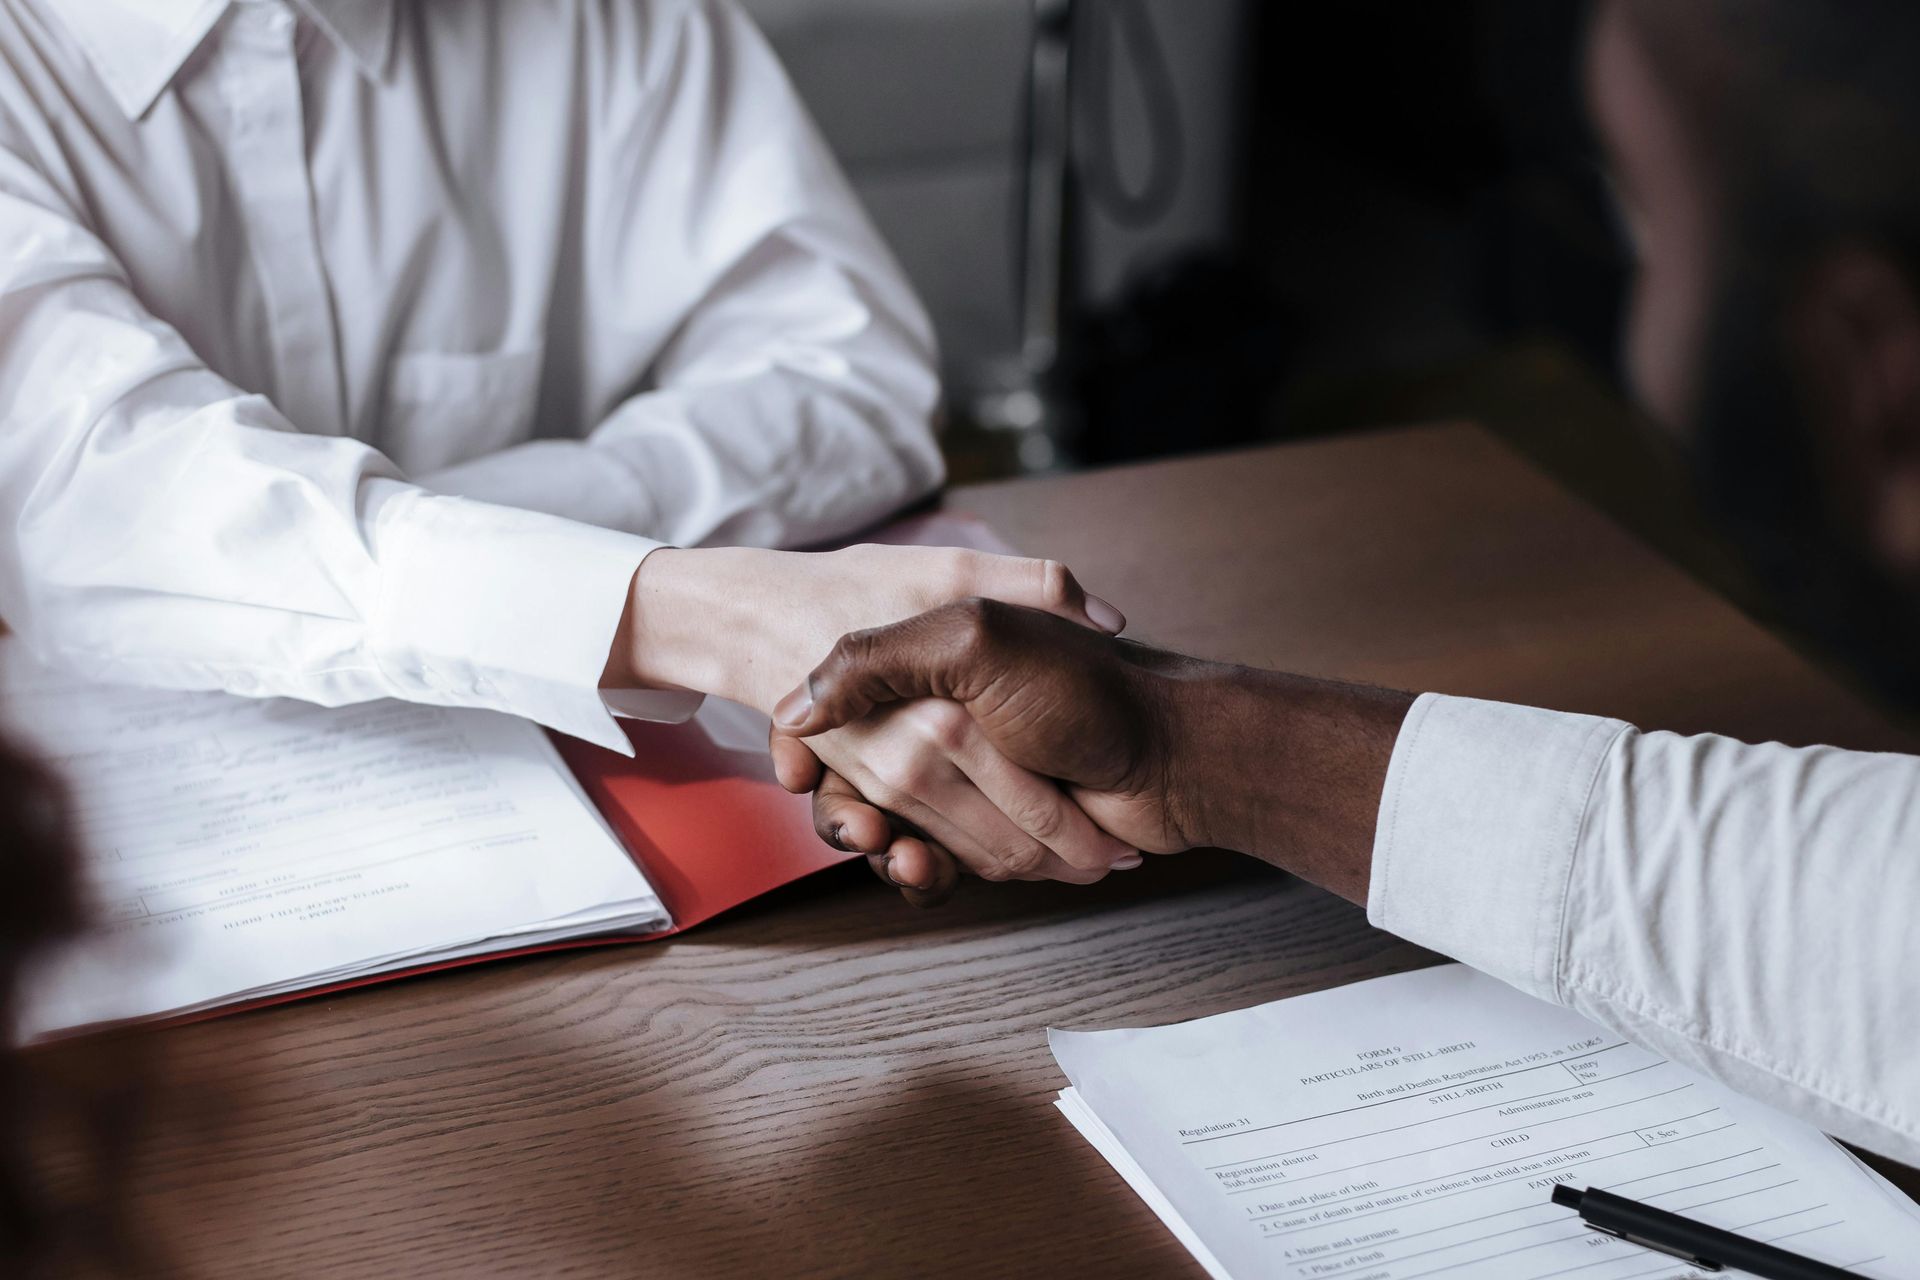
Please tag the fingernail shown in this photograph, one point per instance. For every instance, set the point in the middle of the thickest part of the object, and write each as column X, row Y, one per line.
column 837, row 837
column 894, row 878
column 792, row 710
column 1105, row 616
column 1127, row 861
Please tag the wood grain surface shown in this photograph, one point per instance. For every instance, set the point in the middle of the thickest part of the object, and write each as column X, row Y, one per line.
column 828, row 1083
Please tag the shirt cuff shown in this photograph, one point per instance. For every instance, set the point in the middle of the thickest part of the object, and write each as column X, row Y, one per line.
column 1479, row 821
column 667, row 706
column 487, row 606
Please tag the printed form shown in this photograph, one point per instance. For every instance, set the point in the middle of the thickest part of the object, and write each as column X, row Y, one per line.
column 1413, row 1127
column 239, row 848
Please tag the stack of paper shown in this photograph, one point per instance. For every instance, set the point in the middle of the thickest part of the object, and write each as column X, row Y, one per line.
column 244, row 850
column 240, row 849
column 1414, row 1127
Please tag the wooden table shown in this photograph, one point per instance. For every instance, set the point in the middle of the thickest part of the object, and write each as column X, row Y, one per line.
column 830, row 1083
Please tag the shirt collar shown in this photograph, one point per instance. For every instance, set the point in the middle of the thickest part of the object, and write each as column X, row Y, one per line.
column 138, row 46
column 363, row 28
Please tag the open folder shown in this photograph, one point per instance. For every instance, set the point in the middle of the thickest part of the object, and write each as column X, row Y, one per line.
column 245, row 851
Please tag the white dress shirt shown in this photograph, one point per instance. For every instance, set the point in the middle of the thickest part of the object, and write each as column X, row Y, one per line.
column 359, row 348
column 1746, row 910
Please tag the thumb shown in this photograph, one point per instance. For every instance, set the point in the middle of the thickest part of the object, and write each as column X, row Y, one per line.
column 795, row 766
column 930, row 656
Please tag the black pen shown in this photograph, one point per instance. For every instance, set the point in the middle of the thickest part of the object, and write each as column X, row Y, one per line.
column 1708, row 1248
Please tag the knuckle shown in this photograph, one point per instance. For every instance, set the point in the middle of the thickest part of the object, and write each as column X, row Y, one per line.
column 945, row 726
column 971, row 612
column 911, row 772
column 979, row 621
column 993, row 870
column 1042, row 819
column 959, row 572
column 1056, row 584
column 848, row 650
column 1027, row 858
column 859, row 561
column 851, row 656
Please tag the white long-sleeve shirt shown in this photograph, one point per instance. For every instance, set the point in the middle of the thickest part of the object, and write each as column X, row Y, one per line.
column 359, row 348
column 1747, row 910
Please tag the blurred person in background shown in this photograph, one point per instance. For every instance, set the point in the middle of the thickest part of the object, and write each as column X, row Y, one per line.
column 355, row 349
column 60, row 1214
column 1746, row 910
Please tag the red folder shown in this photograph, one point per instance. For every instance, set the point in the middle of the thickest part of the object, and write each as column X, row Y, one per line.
column 709, row 826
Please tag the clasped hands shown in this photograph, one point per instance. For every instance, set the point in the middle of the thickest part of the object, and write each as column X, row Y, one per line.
column 1090, row 718
column 745, row 624
column 982, row 713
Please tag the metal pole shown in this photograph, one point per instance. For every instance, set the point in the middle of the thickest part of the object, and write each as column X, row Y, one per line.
column 1048, row 150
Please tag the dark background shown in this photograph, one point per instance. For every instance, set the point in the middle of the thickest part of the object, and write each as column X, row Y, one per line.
column 1421, row 231
column 1351, row 216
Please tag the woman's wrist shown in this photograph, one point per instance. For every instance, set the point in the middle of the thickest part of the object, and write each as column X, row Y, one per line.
column 702, row 619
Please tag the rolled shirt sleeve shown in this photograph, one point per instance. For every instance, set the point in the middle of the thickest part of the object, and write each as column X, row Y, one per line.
column 1744, row 909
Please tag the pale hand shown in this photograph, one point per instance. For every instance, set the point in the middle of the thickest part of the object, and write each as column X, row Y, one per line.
column 747, row 624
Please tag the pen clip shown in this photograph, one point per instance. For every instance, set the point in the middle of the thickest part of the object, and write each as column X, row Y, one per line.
column 1705, row 1264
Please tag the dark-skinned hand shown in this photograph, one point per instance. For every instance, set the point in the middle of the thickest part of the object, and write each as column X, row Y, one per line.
column 1088, row 714
column 1161, row 751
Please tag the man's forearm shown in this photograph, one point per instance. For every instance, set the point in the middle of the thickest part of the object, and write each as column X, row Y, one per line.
column 1286, row 768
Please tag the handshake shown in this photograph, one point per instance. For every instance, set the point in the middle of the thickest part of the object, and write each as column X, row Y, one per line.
column 1023, row 739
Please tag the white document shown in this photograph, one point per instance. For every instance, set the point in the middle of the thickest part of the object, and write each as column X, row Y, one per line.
column 239, row 848
column 1413, row 1127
